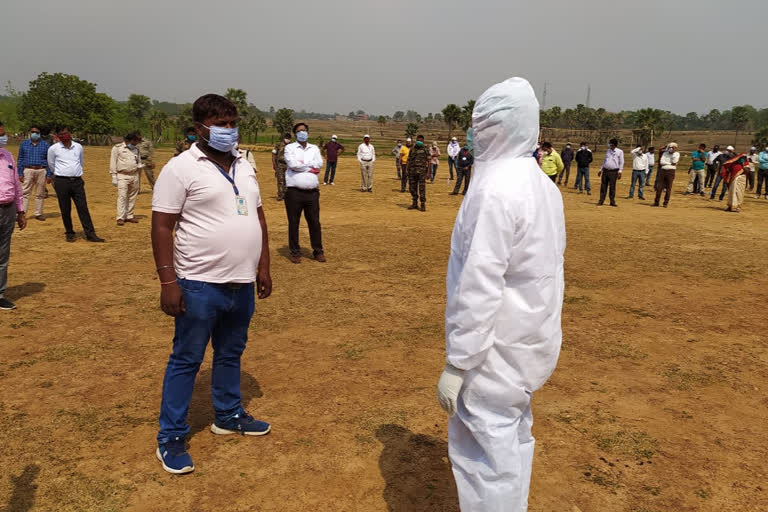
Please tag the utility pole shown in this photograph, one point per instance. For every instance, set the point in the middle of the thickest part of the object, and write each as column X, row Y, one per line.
column 544, row 96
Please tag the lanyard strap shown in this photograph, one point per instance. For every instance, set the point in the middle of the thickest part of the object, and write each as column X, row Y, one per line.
column 230, row 179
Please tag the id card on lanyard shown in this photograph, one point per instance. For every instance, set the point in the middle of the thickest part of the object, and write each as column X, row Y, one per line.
column 241, row 205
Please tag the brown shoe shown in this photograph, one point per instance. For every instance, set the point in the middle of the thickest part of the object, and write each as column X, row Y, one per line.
column 39, row 217
column 120, row 222
column 320, row 257
column 295, row 258
column 132, row 221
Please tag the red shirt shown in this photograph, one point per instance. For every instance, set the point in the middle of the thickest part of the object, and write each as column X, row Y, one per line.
column 332, row 150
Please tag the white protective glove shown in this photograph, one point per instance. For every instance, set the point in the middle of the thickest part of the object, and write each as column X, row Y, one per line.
column 448, row 388
column 114, row 180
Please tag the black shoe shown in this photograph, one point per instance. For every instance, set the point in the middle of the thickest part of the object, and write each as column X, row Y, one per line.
column 6, row 305
column 614, row 205
column 414, row 206
column 702, row 194
column 402, row 190
column 423, row 207
column 94, row 238
column 589, row 193
column 71, row 237
column 600, row 203
column 453, row 194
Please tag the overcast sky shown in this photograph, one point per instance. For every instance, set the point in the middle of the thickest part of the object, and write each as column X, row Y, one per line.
column 388, row 55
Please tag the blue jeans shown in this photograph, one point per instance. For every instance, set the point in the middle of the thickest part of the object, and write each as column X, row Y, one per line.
column 648, row 177
column 451, row 165
column 330, row 170
column 583, row 172
column 718, row 179
column 638, row 176
column 219, row 313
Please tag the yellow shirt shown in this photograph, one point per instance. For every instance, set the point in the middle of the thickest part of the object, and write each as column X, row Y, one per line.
column 404, row 151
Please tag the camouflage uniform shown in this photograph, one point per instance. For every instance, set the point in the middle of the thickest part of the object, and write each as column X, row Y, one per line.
column 147, row 151
column 418, row 166
column 182, row 146
column 281, row 167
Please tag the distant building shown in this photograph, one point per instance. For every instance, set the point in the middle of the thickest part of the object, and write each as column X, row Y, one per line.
column 361, row 117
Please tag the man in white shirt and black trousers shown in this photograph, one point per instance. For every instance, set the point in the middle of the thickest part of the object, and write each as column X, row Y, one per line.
column 65, row 160
column 302, row 195
column 210, row 197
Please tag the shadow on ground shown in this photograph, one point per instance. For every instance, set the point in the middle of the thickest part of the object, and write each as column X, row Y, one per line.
column 24, row 489
column 201, row 412
column 416, row 470
column 20, row 291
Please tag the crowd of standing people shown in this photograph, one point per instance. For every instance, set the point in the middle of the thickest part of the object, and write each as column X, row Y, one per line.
column 737, row 172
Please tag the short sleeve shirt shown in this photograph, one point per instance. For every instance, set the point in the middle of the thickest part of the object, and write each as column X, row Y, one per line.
column 696, row 156
column 404, row 152
column 213, row 242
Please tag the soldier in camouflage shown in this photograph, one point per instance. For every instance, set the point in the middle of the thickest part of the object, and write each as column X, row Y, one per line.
column 146, row 152
column 279, row 165
column 418, row 166
column 190, row 137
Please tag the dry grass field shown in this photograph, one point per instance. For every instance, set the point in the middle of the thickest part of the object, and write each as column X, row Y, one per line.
column 658, row 403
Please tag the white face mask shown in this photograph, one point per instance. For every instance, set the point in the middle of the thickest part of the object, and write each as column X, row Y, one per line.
column 671, row 150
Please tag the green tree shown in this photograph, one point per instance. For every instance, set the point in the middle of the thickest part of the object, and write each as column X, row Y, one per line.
column 138, row 107
column 398, row 116
column 651, row 122
column 466, row 115
column 382, row 123
column 58, row 100
column 283, row 121
column 411, row 130
column 240, row 98
column 158, row 120
column 739, row 120
column 253, row 122
column 452, row 117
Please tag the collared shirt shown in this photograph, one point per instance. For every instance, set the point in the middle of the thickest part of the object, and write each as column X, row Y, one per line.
column 301, row 160
column 213, row 242
column 639, row 160
column 614, row 159
column 763, row 160
column 668, row 161
column 696, row 160
column 713, row 156
column 453, row 149
column 248, row 155
column 332, row 150
column 124, row 159
column 434, row 153
column 396, row 151
column 366, row 153
column 33, row 155
column 404, row 152
column 651, row 159
column 10, row 185
column 66, row 161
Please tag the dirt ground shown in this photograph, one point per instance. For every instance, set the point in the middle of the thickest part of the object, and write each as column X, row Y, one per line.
column 658, row 402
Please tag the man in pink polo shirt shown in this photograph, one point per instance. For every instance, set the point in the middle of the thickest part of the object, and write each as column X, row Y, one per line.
column 209, row 198
column 11, row 212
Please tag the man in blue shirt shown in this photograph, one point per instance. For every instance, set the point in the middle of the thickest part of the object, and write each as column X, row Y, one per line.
column 698, row 170
column 33, row 169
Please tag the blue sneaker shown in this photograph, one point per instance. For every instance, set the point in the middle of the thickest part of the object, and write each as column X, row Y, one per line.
column 242, row 424
column 174, row 456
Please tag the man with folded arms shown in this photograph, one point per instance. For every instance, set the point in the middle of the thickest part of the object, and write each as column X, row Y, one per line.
column 209, row 197
column 33, row 170
column 303, row 162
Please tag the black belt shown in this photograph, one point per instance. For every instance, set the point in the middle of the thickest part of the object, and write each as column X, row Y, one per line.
column 34, row 167
column 304, row 189
column 364, row 160
column 7, row 205
column 67, row 177
column 611, row 170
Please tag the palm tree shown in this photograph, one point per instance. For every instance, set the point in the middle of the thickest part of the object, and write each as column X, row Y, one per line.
column 466, row 115
column 651, row 122
column 158, row 120
column 452, row 117
column 382, row 123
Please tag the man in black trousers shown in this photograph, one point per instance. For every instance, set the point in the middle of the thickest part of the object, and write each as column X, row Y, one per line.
column 65, row 160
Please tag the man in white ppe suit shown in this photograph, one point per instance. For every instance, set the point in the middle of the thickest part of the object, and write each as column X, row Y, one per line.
column 504, row 301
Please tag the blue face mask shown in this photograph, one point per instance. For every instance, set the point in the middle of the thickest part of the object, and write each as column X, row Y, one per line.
column 191, row 138
column 302, row 136
column 34, row 136
column 222, row 139
column 3, row 140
